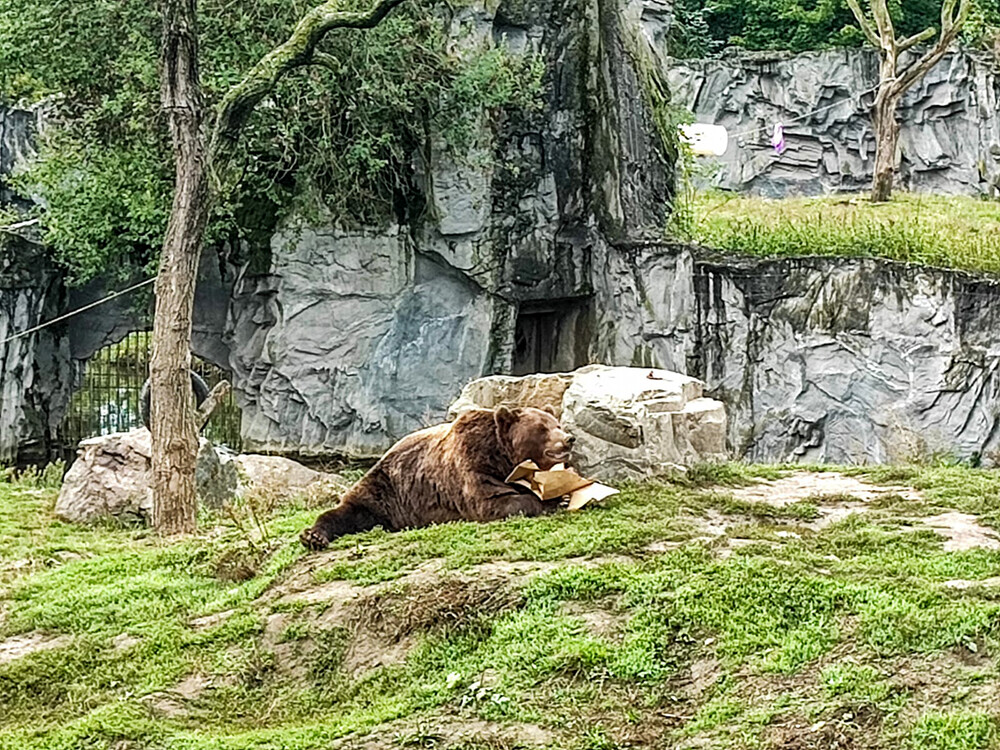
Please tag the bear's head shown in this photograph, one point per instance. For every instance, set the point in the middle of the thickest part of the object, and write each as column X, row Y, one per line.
column 534, row 434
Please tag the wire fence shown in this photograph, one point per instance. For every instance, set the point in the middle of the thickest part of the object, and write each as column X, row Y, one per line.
column 108, row 398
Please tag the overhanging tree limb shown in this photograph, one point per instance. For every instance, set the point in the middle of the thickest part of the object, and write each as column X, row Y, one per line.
column 916, row 39
column 950, row 28
column 298, row 50
column 866, row 28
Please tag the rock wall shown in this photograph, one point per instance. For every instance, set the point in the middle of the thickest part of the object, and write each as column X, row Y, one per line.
column 949, row 143
column 851, row 361
column 353, row 339
column 36, row 370
column 548, row 256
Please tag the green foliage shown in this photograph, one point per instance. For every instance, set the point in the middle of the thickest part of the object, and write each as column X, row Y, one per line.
column 955, row 731
column 335, row 141
column 703, row 27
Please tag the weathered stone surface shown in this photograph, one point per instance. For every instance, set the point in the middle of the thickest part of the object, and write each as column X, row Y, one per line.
column 629, row 423
column 351, row 341
column 851, row 361
column 36, row 372
column 950, row 138
column 354, row 339
column 112, row 479
column 540, row 390
column 277, row 473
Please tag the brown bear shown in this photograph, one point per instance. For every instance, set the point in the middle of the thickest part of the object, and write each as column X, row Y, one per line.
column 450, row 472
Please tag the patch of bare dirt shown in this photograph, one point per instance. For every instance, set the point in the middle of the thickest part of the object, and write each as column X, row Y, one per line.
column 804, row 485
column 949, row 678
column 378, row 625
column 962, row 532
column 710, row 526
column 835, row 495
column 176, row 702
column 849, row 727
column 20, row 646
column 961, row 584
column 210, row 621
column 441, row 732
column 598, row 620
column 694, row 683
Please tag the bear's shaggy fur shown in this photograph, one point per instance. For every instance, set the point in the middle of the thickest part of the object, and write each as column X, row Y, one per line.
column 450, row 472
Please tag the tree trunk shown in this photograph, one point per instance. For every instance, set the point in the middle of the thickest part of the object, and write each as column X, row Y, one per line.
column 175, row 436
column 886, row 142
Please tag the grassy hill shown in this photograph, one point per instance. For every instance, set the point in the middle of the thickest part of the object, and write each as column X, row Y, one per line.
column 946, row 231
column 821, row 610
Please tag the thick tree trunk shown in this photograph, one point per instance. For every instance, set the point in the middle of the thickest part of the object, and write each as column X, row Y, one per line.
column 175, row 436
column 886, row 145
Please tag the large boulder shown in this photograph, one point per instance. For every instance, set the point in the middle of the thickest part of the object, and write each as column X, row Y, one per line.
column 112, row 479
column 278, row 474
column 629, row 422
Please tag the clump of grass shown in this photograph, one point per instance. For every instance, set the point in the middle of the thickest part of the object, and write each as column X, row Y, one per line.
column 946, row 231
column 729, row 474
column 954, row 731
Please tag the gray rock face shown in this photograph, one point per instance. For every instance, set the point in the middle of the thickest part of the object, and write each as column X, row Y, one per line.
column 548, row 257
column 629, row 422
column 36, row 371
column 354, row 339
column 950, row 138
column 112, row 480
column 851, row 361
column 816, row 359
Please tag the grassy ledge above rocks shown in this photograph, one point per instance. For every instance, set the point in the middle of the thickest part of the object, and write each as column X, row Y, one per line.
column 737, row 607
column 945, row 231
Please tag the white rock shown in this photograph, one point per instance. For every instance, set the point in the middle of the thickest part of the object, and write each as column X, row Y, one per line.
column 629, row 422
column 112, row 479
column 278, row 473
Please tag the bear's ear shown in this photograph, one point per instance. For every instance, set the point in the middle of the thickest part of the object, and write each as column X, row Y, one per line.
column 504, row 417
column 550, row 409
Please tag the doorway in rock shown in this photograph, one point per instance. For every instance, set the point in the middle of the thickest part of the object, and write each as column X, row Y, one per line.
column 550, row 337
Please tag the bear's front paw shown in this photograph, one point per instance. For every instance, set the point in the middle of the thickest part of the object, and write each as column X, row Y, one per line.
column 313, row 539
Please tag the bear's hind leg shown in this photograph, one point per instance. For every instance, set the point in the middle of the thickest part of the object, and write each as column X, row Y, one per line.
column 345, row 519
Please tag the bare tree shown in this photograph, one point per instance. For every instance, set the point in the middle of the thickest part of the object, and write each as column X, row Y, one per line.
column 200, row 168
column 893, row 83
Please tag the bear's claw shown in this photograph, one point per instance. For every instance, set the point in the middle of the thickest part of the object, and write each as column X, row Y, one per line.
column 313, row 540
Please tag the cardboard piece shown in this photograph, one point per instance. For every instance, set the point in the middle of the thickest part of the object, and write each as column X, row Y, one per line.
column 558, row 483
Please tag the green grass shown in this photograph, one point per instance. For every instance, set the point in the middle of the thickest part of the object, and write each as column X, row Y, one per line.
column 950, row 232
column 795, row 627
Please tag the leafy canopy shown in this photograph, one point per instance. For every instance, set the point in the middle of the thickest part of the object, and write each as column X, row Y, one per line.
column 704, row 27
column 338, row 138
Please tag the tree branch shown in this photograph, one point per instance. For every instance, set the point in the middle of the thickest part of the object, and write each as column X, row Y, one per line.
column 948, row 14
column 298, row 50
column 883, row 21
column 213, row 399
column 865, row 24
column 916, row 39
column 949, row 32
column 326, row 61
